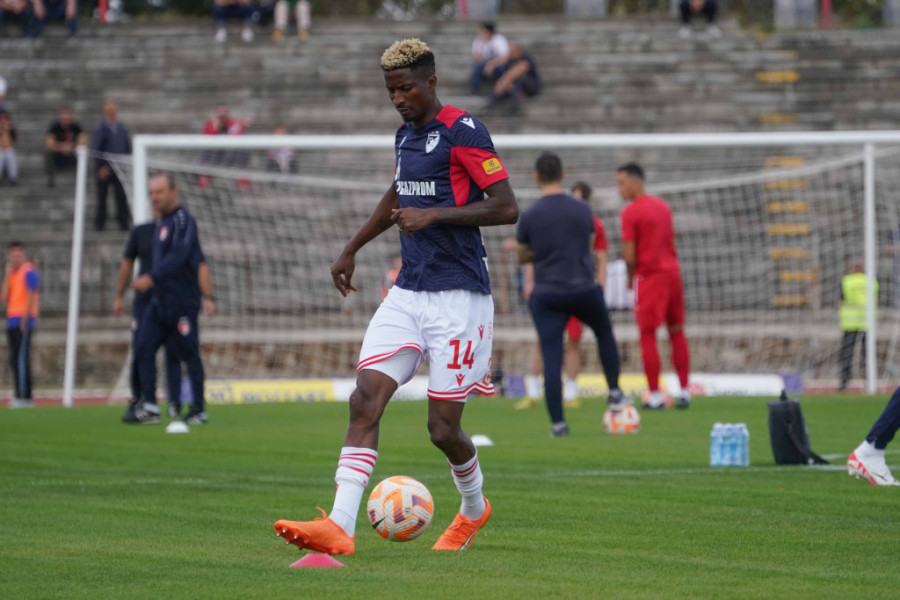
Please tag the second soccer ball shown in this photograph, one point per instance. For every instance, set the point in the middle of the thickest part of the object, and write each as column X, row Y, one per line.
column 625, row 421
column 400, row 508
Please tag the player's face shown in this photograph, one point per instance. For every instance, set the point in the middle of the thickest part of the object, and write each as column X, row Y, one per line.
column 411, row 93
column 15, row 257
column 162, row 196
column 628, row 185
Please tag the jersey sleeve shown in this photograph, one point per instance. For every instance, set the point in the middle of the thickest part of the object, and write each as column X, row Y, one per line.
column 629, row 233
column 32, row 280
column 131, row 246
column 473, row 153
column 184, row 242
column 600, row 242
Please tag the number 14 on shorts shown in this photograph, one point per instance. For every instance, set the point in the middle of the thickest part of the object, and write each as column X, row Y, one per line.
column 468, row 359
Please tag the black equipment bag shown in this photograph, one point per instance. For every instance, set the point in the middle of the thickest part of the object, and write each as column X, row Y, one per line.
column 787, row 430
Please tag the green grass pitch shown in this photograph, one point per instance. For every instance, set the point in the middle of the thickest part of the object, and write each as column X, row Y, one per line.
column 91, row 508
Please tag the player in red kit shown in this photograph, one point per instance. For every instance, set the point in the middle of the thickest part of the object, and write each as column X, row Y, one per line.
column 654, row 274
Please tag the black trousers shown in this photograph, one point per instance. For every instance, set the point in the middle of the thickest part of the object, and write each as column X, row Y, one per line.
column 550, row 313
column 887, row 424
column 123, row 213
column 20, row 360
column 848, row 344
column 175, row 325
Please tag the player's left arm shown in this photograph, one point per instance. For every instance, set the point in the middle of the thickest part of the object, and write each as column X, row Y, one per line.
column 32, row 282
column 204, row 279
column 601, row 261
column 498, row 208
column 628, row 253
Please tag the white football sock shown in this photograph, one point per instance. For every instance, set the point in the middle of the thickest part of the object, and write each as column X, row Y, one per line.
column 533, row 386
column 354, row 469
column 655, row 400
column 468, row 480
column 570, row 390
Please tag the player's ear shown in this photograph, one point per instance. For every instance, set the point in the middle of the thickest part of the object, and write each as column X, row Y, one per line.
column 432, row 83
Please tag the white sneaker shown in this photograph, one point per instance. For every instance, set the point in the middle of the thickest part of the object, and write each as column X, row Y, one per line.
column 221, row 35
column 247, row 34
column 867, row 462
column 21, row 403
column 684, row 33
column 713, row 31
column 570, row 390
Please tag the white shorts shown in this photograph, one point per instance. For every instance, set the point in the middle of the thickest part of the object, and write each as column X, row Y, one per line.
column 453, row 329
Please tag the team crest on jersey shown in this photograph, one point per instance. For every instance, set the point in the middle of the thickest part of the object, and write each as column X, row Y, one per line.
column 184, row 326
column 163, row 233
column 434, row 138
column 468, row 121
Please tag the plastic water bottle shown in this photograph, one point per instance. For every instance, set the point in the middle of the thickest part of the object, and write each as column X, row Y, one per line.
column 743, row 445
column 730, row 445
column 716, row 445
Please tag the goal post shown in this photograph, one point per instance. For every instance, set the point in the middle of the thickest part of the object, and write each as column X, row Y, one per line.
column 765, row 222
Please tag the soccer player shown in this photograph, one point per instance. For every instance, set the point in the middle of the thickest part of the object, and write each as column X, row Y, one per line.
column 557, row 234
column 440, row 305
column 867, row 461
column 173, row 308
column 140, row 247
column 21, row 292
column 654, row 274
column 571, row 359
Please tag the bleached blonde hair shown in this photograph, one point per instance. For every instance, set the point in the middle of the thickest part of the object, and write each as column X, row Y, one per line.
column 407, row 54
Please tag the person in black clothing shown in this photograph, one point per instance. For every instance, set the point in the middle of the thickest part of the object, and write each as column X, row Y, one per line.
column 517, row 80
column 63, row 136
column 173, row 308
column 557, row 235
column 140, row 247
column 110, row 137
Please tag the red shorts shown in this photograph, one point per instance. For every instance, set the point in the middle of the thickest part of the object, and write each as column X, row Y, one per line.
column 573, row 328
column 658, row 299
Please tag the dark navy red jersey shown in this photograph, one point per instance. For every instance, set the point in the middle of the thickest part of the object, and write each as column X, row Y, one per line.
column 176, row 254
column 448, row 162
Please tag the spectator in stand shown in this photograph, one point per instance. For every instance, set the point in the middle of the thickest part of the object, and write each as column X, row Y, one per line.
column 63, row 136
column 110, row 137
column 281, row 160
column 699, row 8
column 9, row 166
column 518, row 80
column 54, row 10
column 233, row 9
column 16, row 9
column 221, row 123
column 301, row 12
column 490, row 50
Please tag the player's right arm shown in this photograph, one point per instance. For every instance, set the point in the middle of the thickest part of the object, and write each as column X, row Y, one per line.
column 379, row 222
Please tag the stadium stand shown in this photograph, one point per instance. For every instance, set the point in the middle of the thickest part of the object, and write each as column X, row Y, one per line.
column 632, row 75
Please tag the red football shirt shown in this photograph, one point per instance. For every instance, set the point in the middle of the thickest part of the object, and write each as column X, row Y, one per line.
column 647, row 222
column 600, row 244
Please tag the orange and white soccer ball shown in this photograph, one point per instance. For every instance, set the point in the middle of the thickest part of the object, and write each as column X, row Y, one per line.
column 400, row 508
column 625, row 421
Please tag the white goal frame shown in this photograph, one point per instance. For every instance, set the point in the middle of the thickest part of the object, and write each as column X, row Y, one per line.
column 867, row 140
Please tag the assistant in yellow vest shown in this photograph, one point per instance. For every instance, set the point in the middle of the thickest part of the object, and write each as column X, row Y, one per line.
column 853, row 319
column 21, row 294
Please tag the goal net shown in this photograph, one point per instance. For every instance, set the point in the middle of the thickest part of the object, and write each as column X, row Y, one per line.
column 765, row 232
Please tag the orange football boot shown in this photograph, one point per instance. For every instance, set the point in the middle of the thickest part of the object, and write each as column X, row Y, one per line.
column 462, row 531
column 321, row 535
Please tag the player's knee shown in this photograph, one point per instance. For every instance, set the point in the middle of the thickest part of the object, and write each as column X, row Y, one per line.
column 363, row 409
column 444, row 435
column 647, row 331
column 674, row 328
